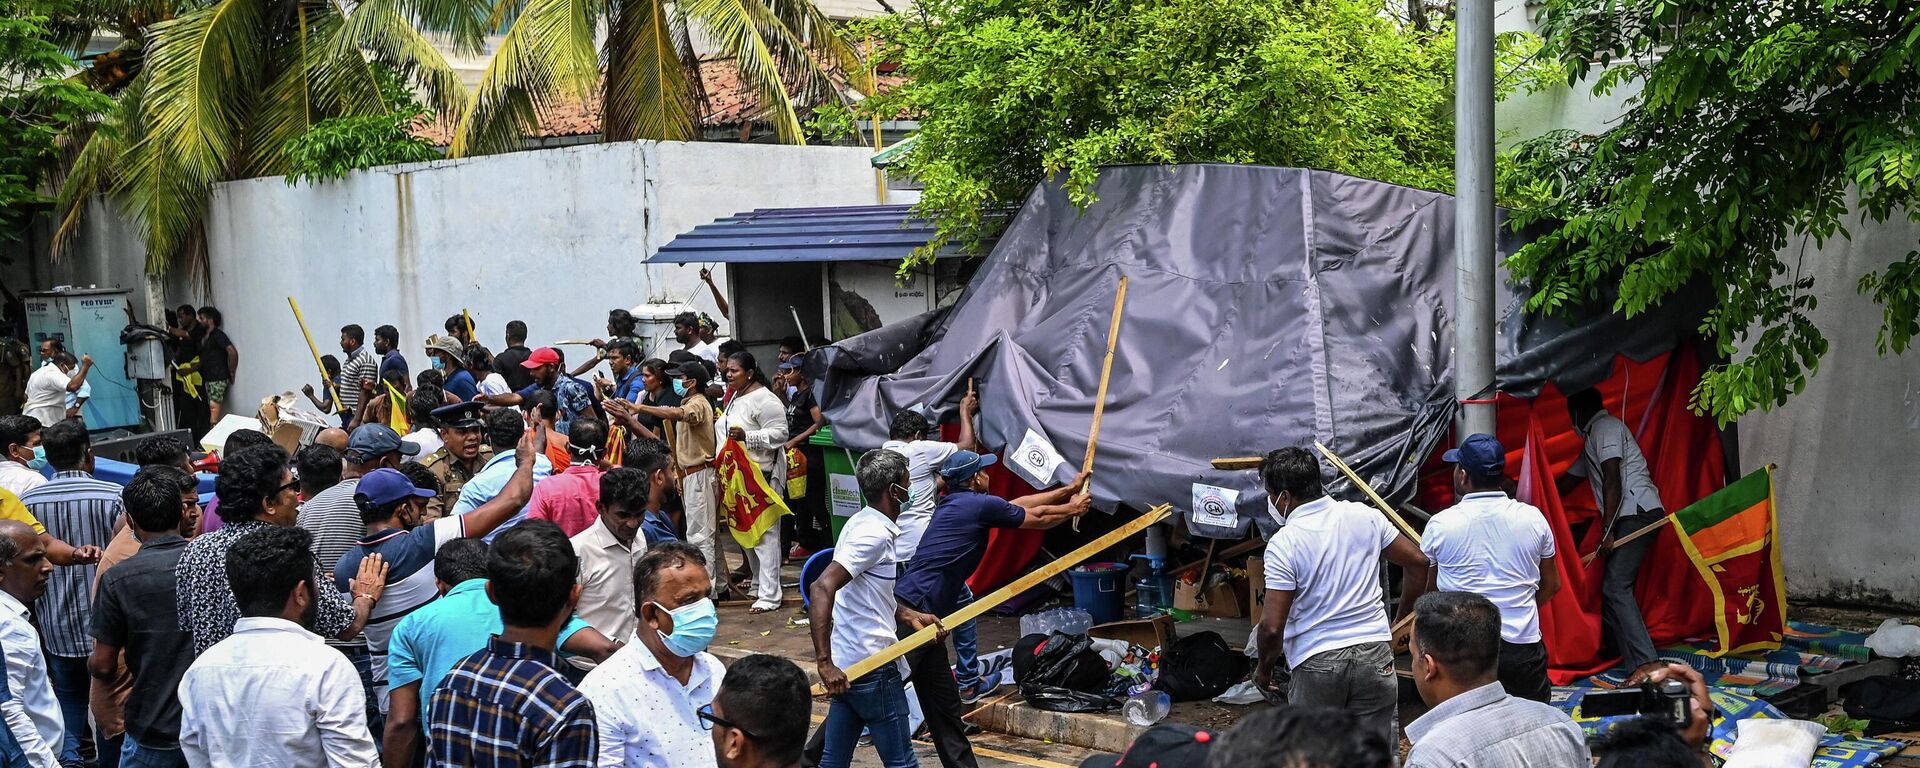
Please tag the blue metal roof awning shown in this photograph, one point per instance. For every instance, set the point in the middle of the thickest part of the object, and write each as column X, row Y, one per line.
column 767, row 235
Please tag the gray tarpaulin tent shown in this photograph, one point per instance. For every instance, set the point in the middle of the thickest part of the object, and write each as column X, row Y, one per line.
column 1266, row 307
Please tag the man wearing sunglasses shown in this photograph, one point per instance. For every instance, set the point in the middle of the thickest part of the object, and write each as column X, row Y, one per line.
column 648, row 695
column 759, row 718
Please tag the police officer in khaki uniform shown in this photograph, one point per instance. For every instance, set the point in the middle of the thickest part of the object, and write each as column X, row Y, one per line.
column 465, row 452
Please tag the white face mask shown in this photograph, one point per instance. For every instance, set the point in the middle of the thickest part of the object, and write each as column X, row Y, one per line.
column 1274, row 510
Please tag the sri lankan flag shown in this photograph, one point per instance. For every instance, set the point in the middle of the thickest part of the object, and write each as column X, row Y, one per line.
column 750, row 503
column 397, row 410
column 1732, row 537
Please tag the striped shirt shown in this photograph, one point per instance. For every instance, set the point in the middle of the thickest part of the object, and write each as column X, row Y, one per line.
column 506, row 707
column 410, row 582
column 358, row 367
column 334, row 520
column 79, row 510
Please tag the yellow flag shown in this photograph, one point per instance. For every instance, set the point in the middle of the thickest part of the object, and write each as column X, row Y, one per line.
column 748, row 501
column 397, row 410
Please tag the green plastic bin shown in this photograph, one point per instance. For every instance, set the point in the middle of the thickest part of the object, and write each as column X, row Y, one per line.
column 843, row 489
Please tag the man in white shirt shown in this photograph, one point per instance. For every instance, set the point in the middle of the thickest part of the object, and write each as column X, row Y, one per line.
column 647, row 698
column 608, row 551
column 24, row 458
column 1500, row 549
column 48, row 386
column 1623, row 489
column 853, row 615
column 272, row 693
column 32, row 713
column 907, row 436
column 1325, row 608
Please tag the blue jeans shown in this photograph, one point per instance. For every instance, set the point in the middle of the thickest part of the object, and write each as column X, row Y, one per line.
column 878, row 704
column 135, row 756
column 966, row 646
column 71, row 684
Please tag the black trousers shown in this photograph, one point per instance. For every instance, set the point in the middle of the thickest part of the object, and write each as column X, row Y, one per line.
column 1523, row 671
column 939, row 696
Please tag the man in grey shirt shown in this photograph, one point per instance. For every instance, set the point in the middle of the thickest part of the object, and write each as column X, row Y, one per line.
column 1473, row 722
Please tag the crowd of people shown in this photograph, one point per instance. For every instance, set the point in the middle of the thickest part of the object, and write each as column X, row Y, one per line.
column 495, row 561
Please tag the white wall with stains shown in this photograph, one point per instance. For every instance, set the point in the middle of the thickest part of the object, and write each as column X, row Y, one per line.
column 554, row 238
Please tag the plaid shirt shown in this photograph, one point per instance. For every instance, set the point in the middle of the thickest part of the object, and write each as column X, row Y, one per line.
column 506, row 707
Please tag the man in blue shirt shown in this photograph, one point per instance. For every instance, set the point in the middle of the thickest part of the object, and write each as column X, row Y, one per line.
column 386, row 345
column 428, row 642
column 505, row 429
column 572, row 396
column 623, row 357
column 949, row 551
column 450, row 359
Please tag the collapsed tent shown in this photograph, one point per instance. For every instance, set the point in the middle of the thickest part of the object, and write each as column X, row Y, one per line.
column 1266, row 307
column 1270, row 307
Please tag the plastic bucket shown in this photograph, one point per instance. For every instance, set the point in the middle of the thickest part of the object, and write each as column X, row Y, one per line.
column 1098, row 589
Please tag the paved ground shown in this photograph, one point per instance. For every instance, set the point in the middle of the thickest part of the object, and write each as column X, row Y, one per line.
column 991, row 750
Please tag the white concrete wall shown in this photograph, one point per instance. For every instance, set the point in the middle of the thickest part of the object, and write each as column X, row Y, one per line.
column 554, row 238
column 1848, row 497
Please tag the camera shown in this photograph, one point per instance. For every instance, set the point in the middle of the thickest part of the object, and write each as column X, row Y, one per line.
column 1667, row 701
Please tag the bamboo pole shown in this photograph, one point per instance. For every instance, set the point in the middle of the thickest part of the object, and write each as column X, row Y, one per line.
column 1622, row 541
column 1106, row 374
column 332, row 388
column 989, row 602
column 1398, row 521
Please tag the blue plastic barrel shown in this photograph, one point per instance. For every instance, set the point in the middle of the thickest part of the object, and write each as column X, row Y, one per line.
column 1098, row 590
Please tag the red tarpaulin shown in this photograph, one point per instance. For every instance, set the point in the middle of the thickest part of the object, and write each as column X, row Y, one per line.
column 1683, row 454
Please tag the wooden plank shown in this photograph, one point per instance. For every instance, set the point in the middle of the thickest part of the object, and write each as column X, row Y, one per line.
column 1238, row 462
column 989, row 602
column 1398, row 521
column 1106, row 373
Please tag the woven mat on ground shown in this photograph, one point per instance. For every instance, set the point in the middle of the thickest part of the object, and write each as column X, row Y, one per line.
column 1836, row 751
column 1807, row 647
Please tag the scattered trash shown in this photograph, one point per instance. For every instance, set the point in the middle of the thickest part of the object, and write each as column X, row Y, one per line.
column 1244, row 692
column 1067, row 621
column 1147, row 707
column 1895, row 640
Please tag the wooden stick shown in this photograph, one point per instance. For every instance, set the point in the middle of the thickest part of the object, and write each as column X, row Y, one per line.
column 1398, row 521
column 1233, row 551
column 1622, row 541
column 332, row 388
column 472, row 336
column 991, row 704
column 1106, row 372
column 1238, row 462
column 982, row 605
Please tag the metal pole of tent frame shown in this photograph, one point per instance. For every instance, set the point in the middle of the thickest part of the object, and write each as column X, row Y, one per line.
column 1473, row 211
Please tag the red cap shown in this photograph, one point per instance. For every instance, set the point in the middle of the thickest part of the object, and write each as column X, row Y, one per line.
column 540, row 357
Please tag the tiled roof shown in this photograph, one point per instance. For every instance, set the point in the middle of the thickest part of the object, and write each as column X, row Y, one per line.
column 730, row 103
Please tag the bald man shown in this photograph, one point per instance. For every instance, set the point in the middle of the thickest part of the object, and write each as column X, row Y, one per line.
column 31, row 714
column 332, row 437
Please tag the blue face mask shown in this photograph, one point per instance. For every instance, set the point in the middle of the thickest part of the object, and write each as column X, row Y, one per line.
column 439, row 364
column 680, row 387
column 39, row 458
column 694, row 625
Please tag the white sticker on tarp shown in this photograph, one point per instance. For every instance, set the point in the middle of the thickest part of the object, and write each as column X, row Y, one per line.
column 1215, row 506
column 1035, row 460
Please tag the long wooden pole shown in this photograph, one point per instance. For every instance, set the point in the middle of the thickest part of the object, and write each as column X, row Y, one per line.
column 1622, row 541
column 982, row 605
column 1398, row 521
column 1106, row 374
column 332, row 389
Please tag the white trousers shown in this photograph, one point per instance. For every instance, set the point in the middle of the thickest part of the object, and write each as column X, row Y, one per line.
column 703, row 521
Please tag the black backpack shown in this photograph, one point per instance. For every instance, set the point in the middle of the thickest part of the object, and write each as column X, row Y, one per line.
column 1059, row 672
column 1199, row 667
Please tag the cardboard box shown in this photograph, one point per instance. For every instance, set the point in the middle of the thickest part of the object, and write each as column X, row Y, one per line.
column 1156, row 632
column 1187, row 597
column 1222, row 601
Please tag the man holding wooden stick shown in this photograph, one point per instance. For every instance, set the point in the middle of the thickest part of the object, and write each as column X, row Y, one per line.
column 1611, row 460
column 853, row 614
column 1324, row 604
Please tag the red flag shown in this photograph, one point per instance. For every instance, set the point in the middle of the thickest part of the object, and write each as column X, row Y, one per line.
column 1570, row 621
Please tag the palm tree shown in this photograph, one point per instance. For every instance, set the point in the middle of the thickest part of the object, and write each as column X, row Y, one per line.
column 224, row 84
column 787, row 52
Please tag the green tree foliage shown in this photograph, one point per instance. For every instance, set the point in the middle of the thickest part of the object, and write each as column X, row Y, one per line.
column 37, row 103
column 1009, row 92
column 1759, row 126
column 221, row 88
column 337, row 145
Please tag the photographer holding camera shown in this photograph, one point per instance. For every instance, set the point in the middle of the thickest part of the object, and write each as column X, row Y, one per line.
column 1655, row 740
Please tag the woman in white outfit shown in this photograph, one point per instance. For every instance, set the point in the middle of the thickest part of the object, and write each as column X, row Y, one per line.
column 756, row 419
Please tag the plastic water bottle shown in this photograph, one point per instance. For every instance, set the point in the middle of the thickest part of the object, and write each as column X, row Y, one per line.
column 1146, row 597
column 1147, row 707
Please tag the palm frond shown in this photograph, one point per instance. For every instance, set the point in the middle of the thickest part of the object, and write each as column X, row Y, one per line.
column 202, row 70
column 749, row 32
column 95, row 169
column 548, row 54
column 647, row 89
column 382, row 28
column 831, row 50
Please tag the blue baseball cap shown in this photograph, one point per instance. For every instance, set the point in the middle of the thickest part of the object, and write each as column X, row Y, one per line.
column 963, row 465
column 373, row 440
column 1479, row 454
column 386, row 486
